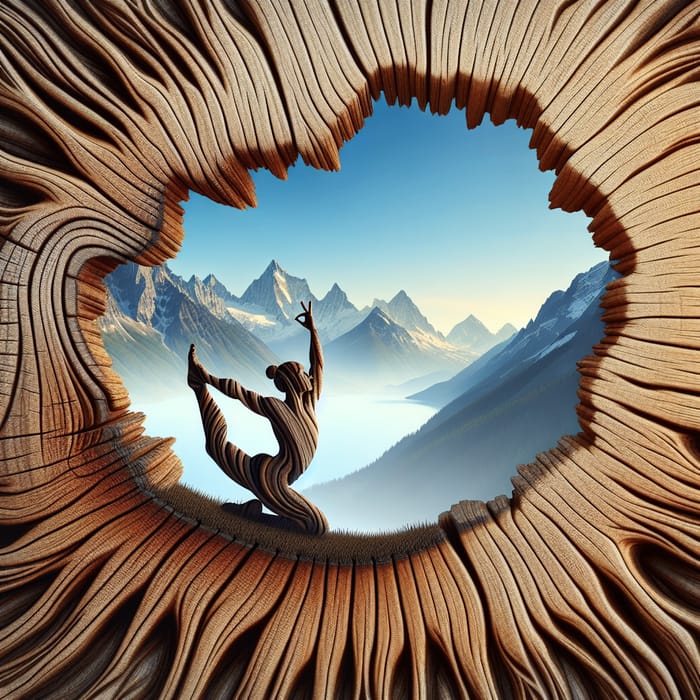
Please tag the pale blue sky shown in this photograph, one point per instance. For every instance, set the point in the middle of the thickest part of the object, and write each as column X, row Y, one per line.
column 458, row 219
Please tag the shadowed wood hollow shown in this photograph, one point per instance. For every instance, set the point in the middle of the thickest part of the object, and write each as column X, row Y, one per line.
column 115, row 581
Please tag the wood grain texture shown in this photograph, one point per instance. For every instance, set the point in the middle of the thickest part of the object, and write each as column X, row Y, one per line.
column 117, row 582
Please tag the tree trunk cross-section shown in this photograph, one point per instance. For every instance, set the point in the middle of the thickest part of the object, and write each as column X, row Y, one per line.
column 117, row 582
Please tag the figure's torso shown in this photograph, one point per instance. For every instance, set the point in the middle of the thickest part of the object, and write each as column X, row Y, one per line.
column 296, row 430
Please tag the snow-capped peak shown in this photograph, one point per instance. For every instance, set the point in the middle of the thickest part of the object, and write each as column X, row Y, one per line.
column 404, row 311
column 277, row 293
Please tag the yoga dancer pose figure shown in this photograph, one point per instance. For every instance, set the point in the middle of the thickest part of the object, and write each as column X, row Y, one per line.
column 293, row 424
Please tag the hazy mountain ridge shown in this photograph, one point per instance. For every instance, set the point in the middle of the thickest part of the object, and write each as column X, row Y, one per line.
column 379, row 351
column 138, row 352
column 519, row 399
column 473, row 334
column 276, row 295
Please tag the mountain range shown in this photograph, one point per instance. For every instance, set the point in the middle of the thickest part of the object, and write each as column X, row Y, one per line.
column 153, row 315
column 514, row 401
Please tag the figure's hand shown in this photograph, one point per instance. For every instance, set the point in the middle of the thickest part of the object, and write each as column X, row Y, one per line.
column 305, row 318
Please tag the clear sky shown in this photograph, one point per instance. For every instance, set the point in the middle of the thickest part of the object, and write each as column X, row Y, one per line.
column 458, row 219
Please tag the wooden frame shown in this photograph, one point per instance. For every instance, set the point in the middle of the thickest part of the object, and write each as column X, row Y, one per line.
column 116, row 582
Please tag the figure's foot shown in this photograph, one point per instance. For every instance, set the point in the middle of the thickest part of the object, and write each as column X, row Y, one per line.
column 249, row 509
column 196, row 374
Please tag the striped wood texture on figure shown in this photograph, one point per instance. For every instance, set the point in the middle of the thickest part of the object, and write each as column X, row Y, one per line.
column 115, row 581
column 294, row 425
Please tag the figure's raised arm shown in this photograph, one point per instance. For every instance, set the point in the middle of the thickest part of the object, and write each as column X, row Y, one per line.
column 306, row 319
column 230, row 387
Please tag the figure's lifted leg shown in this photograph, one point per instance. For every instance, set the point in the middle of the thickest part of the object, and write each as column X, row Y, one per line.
column 213, row 420
column 232, row 460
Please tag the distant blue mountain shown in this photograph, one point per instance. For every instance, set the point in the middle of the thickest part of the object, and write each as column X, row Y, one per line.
column 380, row 351
column 473, row 334
column 377, row 350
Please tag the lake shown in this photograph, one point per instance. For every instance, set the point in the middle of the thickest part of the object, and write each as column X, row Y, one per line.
column 354, row 430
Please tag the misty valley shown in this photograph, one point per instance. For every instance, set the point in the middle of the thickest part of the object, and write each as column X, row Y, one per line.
column 410, row 419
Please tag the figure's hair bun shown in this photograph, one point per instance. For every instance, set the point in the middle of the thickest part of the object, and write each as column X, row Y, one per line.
column 271, row 371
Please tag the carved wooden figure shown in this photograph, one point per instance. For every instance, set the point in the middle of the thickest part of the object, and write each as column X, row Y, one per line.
column 293, row 424
column 117, row 582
